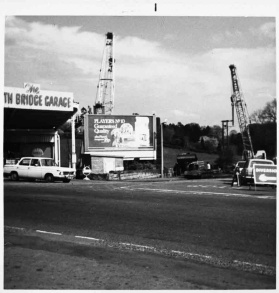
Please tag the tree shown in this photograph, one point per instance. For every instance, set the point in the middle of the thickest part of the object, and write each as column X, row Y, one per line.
column 256, row 117
column 193, row 131
column 267, row 114
column 216, row 131
column 225, row 158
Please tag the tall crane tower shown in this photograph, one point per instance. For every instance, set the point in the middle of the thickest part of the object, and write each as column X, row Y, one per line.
column 238, row 102
column 104, row 103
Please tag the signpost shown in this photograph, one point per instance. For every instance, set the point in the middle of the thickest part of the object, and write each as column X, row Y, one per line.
column 265, row 174
column 86, row 172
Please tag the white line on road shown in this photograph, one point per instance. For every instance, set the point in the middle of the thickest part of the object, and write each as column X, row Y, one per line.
column 90, row 238
column 271, row 270
column 16, row 228
column 46, row 232
column 136, row 245
column 190, row 254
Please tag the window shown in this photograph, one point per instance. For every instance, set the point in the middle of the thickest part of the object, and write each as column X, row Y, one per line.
column 25, row 162
column 241, row 164
column 35, row 162
column 48, row 162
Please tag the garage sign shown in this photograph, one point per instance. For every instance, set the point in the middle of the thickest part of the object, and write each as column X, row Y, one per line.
column 32, row 97
column 265, row 174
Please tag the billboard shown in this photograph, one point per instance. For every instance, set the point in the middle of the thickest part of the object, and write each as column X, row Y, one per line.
column 119, row 132
column 265, row 174
column 32, row 97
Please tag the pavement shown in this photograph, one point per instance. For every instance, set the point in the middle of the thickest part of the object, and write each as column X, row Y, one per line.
column 167, row 179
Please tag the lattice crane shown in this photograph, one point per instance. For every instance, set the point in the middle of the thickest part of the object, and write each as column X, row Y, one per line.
column 104, row 103
column 238, row 102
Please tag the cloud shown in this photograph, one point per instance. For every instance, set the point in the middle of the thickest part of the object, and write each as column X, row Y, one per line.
column 267, row 30
column 134, row 47
column 68, row 43
column 179, row 86
column 226, row 36
column 170, row 37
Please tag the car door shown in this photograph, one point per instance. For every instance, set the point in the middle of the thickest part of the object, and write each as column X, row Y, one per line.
column 35, row 169
column 23, row 167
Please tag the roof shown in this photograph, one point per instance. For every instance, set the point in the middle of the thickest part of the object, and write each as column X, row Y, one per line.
column 36, row 158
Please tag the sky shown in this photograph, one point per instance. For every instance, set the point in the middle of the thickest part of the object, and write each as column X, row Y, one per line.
column 174, row 66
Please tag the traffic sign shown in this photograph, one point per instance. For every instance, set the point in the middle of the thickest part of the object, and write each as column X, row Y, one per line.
column 265, row 174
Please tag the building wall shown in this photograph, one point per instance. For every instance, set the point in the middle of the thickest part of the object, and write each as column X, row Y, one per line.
column 66, row 150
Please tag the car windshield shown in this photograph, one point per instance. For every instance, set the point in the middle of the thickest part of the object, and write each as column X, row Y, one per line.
column 240, row 164
column 48, row 162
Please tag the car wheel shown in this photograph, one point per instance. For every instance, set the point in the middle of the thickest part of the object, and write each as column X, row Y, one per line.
column 49, row 178
column 14, row 176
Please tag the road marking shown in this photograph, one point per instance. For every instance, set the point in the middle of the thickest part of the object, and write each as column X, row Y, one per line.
column 136, row 245
column 16, row 228
column 268, row 270
column 90, row 238
column 206, row 186
column 198, row 192
column 47, row 232
column 182, row 253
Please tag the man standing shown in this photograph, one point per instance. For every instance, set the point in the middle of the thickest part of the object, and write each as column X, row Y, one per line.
column 235, row 176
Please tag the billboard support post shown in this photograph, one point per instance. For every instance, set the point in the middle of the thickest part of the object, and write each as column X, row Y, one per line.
column 73, row 143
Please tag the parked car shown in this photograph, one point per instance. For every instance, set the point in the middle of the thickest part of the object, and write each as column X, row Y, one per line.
column 246, row 174
column 38, row 168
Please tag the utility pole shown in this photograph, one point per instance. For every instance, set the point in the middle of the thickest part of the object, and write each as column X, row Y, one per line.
column 162, row 148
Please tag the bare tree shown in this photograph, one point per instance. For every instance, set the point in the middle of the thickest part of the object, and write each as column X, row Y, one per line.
column 256, row 117
column 267, row 114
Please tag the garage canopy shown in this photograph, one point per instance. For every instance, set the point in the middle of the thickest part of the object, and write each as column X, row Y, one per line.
column 35, row 119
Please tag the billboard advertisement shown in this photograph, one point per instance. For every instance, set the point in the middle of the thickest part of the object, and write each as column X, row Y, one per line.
column 118, row 132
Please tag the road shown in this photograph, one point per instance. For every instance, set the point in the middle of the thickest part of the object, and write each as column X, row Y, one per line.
column 202, row 225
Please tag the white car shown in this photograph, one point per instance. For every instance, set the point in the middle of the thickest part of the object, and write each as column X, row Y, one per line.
column 38, row 168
